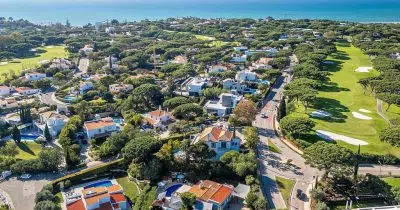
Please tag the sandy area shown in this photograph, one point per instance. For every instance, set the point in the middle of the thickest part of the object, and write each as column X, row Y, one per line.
column 329, row 136
column 49, row 46
column 363, row 69
column 44, row 61
column 364, row 110
column 321, row 114
column 3, row 63
column 360, row 116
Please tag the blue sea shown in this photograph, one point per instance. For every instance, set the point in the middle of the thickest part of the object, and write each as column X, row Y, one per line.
column 80, row 12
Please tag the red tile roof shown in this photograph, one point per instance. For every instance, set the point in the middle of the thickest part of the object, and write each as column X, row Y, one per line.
column 209, row 190
column 96, row 124
column 222, row 194
column 77, row 205
column 216, row 134
column 117, row 198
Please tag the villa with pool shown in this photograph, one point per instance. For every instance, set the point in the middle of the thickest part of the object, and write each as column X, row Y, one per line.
column 100, row 195
column 210, row 195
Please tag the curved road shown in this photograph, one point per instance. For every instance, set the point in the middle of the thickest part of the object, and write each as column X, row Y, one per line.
column 273, row 164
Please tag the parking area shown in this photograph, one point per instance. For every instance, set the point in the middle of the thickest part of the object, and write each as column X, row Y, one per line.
column 22, row 192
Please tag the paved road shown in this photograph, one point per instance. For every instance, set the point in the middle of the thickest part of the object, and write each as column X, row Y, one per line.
column 273, row 164
column 379, row 110
column 23, row 193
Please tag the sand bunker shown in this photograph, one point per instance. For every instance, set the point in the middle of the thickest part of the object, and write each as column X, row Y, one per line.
column 363, row 69
column 321, row 114
column 44, row 61
column 364, row 110
column 3, row 63
column 49, row 46
column 360, row 116
column 329, row 136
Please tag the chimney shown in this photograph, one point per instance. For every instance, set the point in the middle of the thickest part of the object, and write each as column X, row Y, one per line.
column 159, row 107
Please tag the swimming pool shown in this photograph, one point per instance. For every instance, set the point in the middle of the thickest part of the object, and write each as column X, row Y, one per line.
column 118, row 120
column 106, row 183
column 29, row 137
column 170, row 190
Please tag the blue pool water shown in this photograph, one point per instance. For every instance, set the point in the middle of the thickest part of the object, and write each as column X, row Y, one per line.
column 106, row 183
column 29, row 137
column 172, row 189
column 118, row 120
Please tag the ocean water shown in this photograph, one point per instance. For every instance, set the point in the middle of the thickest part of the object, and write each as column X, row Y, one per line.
column 80, row 12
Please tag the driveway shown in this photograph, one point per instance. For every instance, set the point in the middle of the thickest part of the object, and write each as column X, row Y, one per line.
column 23, row 193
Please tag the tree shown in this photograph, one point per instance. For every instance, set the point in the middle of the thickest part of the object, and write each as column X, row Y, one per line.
column 44, row 195
column 391, row 135
column 176, row 101
column 296, row 126
column 50, row 159
column 16, row 134
column 148, row 94
column 211, row 93
column 141, row 149
column 245, row 112
column 188, row 200
column 242, row 164
column 188, row 111
column 389, row 99
column 9, row 149
column 307, row 96
column 46, row 205
column 251, row 137
column 47, row 134
column 330, row 157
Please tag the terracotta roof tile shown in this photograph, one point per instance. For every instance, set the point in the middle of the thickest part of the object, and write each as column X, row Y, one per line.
column 222, row 194
column 117, row 198
column 97, row 124
column 77, row 205
column 216, row 134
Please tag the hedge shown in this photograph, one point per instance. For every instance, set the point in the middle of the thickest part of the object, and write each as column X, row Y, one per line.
column 90, row 172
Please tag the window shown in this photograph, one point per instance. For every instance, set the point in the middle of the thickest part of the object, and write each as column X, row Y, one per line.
column 223, row 145
column 213, row 145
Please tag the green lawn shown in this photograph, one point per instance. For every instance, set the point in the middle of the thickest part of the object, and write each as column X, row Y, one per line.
column 343, row 95
column 285, row 187
column 27, row 150
column 130, row 188
column 27, row 63
column 392, row 181
column 273, row 148
column 360, row 204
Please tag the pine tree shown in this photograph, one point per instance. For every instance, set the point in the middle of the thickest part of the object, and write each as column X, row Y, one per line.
column 47, row 134
column 16, row 134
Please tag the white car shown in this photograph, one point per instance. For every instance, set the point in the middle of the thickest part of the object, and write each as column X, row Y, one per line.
column 25, row 176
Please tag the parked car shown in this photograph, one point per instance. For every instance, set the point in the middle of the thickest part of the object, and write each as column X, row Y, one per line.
column 25, row 176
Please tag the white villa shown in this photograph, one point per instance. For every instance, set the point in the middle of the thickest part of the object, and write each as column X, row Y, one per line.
column 5, row 90
column 219, row 139
column 55, row 122
column 246, row 76
column 158, row 119
column 34, row 76
column 194, row 85
column 100, row 128
column 118, row 88
column 26, row 91
column 224, row 106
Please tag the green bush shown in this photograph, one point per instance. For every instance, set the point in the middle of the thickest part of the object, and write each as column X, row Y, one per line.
column 90, row 172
